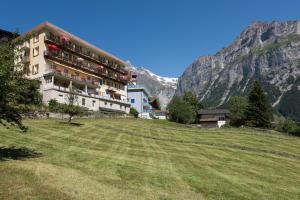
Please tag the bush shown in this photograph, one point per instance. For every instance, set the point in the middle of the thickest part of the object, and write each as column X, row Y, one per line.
column 53, row 106
column 289, row 126
column 181, row 111
column 134, row 112
column 296, row 131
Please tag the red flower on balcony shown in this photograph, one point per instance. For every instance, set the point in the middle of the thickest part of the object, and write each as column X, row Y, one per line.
column 64, row 38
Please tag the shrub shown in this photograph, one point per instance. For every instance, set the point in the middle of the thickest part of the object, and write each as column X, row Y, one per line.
column 289, row 126
column 296, row 131
column 53, row 106
column 134, row 112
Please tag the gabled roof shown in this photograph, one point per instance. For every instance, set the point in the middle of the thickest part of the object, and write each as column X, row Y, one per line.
column 213, row 111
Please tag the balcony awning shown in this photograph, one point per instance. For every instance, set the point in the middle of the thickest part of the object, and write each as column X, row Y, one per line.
column 52, row 47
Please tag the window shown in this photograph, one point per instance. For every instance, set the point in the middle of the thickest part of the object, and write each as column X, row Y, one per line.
column 100, row 82
column 132, row 100
column 36, row 38
column 105, row 103
column 35, row 69
column 110, row 104
column 93, row 103
column 35, row 51
column 83, row 101
column 222, row 118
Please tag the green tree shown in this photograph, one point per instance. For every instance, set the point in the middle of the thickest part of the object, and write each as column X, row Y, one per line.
column 30, row 95
column 134, row 112
column 181, row 111
column 70, row 108
column 237, row 108
column 54, row 106
column 12, row 83
column 191, row 99
column 257, row 113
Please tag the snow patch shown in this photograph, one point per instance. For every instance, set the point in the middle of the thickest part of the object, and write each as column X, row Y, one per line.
column 164, row 80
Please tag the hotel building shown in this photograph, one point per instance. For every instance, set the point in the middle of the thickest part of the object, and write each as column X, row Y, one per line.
column 60, row 61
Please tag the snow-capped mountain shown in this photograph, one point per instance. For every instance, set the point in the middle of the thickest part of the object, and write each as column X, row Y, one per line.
column 167, row 81
column 161, row 87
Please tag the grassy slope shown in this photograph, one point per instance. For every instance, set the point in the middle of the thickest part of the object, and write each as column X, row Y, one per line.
column 139, row 159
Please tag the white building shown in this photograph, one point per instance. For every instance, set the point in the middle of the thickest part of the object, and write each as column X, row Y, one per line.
column 60, row 61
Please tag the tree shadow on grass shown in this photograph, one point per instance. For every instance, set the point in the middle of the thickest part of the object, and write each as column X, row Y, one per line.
column 17, row 153
column 71, row 124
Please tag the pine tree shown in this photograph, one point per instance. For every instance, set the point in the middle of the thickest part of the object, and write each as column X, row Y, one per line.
column 257, row 113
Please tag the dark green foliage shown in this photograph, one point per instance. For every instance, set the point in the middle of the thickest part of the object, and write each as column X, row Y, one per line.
column 191, row 99
column 53, row 106
column 290, row 104
column 286, row 126
column 257, row 113
column 296, row 131
column 237, row 108
column 134, row 112
column 30, row 95
column 289, row 126
column 13, row 85
column 181, row 111
column 71, row 109
column 290, row 80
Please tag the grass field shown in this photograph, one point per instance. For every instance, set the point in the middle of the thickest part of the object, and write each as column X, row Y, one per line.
column 144, row 159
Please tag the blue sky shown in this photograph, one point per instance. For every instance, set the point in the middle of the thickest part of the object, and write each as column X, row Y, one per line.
column 164, row 36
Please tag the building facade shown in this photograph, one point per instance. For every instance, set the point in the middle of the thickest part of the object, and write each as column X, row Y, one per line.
column 64, row 62
column 211, row 118
column 138, row 97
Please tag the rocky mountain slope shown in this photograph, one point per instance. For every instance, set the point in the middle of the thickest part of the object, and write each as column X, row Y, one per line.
column 161, row 87
column 269, row 52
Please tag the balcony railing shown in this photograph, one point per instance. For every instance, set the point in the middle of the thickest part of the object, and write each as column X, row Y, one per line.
column 73, row 78
column 89, row 93
column 81, row 65
column 86, row 54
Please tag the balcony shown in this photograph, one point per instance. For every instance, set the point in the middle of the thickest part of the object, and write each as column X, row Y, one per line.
column 89, row 93
column 80, row 65
column 24, row 46
column 73, row 78
column 85, row 54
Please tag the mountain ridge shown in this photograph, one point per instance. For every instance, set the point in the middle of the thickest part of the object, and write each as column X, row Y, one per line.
column 264, row 51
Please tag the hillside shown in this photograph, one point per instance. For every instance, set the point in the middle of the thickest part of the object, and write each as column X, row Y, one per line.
column 265, row 51
column 161, row 87
column 146, row 159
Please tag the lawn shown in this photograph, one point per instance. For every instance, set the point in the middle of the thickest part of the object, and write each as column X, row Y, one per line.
column 146, row 159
